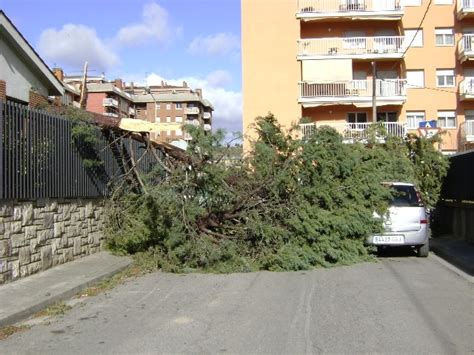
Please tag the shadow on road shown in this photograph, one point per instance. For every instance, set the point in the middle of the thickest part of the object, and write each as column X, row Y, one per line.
column 396, row 252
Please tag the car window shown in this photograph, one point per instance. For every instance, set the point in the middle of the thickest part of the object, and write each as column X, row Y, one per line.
column 404, row 196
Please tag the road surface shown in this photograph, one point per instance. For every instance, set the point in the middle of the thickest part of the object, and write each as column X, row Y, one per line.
column 398, row 305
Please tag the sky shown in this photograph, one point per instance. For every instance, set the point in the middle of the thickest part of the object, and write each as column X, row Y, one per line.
column 144, row 41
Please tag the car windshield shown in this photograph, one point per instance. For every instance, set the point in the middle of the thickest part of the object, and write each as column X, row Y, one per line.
column 404, row 196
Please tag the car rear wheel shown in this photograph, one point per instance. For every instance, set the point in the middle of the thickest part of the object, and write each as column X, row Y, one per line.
column 424, row 250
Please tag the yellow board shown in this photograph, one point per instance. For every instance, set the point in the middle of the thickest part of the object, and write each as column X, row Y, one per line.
column 140, row 126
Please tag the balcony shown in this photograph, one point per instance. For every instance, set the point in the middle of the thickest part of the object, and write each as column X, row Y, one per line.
column 355, row 92
column 466, row 47
column 206, row 115
column 465, row 9
column 352, row 132
column 207, row 127
column 466, row 89
column 467, row 131
column 368, row 48
column 111, row 114
column 311, row 10
column 109, row 102
column 192, row 110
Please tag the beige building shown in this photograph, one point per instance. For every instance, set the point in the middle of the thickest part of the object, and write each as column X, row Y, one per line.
column 172, row 104
column 317, row 60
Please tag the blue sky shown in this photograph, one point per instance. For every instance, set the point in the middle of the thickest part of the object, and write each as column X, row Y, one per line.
column 143, row 41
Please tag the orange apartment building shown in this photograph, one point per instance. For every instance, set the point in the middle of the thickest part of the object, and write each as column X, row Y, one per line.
column 317, row 59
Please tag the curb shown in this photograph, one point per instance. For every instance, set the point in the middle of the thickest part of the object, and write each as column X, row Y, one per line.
column 67, row 294
column 466, row 266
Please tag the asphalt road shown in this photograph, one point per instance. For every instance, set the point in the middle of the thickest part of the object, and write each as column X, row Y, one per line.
column 402, row 305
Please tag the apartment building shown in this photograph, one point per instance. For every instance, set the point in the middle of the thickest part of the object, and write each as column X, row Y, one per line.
column 329, row 61
column 172, row 104
column 105, row 97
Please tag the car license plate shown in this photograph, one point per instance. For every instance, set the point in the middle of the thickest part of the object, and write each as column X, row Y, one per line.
column 389, row 239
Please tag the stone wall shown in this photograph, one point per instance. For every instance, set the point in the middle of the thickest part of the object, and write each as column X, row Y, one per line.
column 35, row 236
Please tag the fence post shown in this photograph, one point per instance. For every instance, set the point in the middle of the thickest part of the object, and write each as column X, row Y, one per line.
column 2, row 145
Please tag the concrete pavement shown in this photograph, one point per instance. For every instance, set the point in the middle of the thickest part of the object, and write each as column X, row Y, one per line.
column 400, row 304
column 22, row 298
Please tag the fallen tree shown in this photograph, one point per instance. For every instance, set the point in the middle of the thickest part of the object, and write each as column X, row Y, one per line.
column 289, row 205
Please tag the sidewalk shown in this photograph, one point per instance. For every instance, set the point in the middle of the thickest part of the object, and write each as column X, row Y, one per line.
column 456, row 252
column 22, row 298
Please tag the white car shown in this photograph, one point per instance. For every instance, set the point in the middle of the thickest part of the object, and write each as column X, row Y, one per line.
column 406, row 222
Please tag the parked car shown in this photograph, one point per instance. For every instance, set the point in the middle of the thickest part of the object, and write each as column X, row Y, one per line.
column 406, row 222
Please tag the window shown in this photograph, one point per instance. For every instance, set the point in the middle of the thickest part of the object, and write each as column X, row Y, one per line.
column 179, row 119
column 178, row 106
column 168, row 133
column 179, row 132
column 469, row 115
column 168, row 106
column 157, row 107
column 357, row 117
column 415, row 36
column 444, row 36
column 386, row 117
column 447, row 119
column 416, row 78
column 168, row 119
column 445, row 78
column 414, row 119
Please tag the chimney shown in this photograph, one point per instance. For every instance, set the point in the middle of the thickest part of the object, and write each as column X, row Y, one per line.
column 162, row 83
column 185, row 84
column 58, row 73
column 199, row 92
column 118, row 83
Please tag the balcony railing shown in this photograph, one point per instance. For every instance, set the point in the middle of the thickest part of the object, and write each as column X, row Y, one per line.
column 110, row 114
column 207, row 127
column 192, row 110
column 467, row 131
column 465, row 8
column 363, row 47
column 352, row 132
column 358, row 90
column 466, row 47
column 109, row 102
column 314, row 9
column 206, row 115
column 466, row 88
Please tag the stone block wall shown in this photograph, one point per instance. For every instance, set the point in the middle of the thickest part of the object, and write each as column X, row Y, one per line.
column 36, row 236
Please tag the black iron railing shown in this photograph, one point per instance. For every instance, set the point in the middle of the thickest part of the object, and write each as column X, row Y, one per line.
column 40, row 158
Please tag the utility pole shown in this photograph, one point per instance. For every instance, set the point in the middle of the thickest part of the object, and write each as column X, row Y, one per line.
column 374, row 91
column 83, row 99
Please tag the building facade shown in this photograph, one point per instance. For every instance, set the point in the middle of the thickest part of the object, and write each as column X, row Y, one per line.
column 24, row 77
column 172, row 104
column 329, row 61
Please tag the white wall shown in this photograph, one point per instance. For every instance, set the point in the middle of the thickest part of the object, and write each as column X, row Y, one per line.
column 18, row 76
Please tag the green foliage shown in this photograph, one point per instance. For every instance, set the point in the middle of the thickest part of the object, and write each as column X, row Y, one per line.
column 290, row 205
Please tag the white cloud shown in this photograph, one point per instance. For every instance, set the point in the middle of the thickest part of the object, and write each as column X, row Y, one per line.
column 219, row 78
column 75, row 44
column 154, row 26
column 227, row 103
column 217, row 44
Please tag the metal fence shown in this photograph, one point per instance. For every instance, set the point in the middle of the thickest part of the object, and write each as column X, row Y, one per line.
column 458, row 184
column 40, row 157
